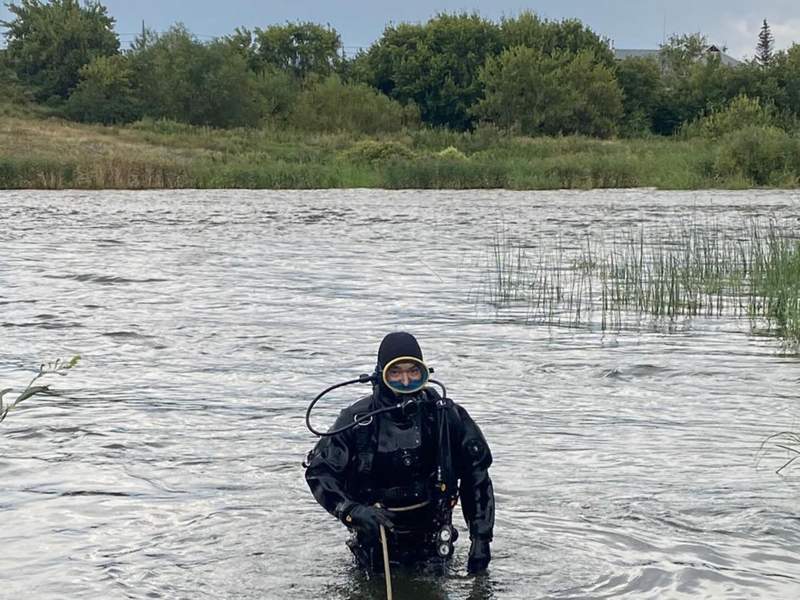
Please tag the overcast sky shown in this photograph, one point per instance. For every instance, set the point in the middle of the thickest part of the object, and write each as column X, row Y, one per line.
column 628, row 23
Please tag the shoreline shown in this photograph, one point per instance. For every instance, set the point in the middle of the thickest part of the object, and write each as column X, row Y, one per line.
column 47, row 153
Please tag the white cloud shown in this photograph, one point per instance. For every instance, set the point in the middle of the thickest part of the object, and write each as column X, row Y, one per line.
column 741, row 34
column 786, row 33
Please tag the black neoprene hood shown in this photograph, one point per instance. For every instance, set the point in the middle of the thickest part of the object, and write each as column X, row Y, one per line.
column 398, row 344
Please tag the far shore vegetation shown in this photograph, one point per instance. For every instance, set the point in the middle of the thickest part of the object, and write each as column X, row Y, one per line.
column 457, row 102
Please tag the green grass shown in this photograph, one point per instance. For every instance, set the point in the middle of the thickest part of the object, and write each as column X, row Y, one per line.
column 40, row 151
column 693, row 270
column 775, row 288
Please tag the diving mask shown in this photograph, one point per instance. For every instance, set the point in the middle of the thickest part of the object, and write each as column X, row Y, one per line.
column 405, row 375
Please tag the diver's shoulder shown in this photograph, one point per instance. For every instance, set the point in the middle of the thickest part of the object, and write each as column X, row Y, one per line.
column 360, row 406
column 451, row 404
column 458, row 409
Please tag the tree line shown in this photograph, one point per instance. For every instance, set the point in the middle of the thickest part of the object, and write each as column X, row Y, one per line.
column 525, row 74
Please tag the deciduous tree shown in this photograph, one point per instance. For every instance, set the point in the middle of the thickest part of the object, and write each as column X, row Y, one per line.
column 49, row 42
column 105, row 93
column 302, row 49
column 435, row 65
column 562, row 93
column 642, row 89
column 549, row 37
column 178, row 77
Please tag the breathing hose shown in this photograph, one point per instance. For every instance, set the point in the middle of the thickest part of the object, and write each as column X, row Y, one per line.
column 366, row 418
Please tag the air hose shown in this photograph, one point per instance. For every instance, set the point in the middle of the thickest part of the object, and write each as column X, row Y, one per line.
column 366, row 418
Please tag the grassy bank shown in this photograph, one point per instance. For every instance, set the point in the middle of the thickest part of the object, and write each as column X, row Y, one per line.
column 48, row 153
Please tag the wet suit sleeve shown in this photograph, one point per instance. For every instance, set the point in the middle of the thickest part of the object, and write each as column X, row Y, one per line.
column 326, row 473
column 472, row 461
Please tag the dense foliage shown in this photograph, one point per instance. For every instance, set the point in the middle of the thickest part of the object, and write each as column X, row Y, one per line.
column 435, row 65
column 552, row 37
column 49, row 43
column 331, row 106
column 181, row 78
column 105, row 93
column 558, row 94
column 459, row 72
column 302, row 49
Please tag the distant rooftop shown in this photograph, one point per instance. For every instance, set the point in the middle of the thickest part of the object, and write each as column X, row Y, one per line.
column 623, row 53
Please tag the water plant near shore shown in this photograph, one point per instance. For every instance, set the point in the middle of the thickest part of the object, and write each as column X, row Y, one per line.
column 751, row 272
column 56, row 367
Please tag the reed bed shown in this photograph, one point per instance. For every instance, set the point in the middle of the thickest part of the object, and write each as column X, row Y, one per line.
column 663, row 276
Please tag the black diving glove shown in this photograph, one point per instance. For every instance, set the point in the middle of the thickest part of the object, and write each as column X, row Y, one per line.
column 479, row 556
column 368, row 519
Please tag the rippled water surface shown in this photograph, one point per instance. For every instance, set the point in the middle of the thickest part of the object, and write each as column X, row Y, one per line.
column 168, row 463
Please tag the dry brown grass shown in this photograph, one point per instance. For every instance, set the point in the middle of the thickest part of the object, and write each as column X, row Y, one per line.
column 56, row 139
column 53, row 154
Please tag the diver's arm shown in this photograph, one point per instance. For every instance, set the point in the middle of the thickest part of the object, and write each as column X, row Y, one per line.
column 472, row 460
column 327, row 470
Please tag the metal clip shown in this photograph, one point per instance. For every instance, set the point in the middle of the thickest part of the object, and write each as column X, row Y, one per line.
column 362, row 423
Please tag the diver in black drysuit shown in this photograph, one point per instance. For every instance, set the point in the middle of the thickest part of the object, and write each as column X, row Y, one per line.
column 396, row 460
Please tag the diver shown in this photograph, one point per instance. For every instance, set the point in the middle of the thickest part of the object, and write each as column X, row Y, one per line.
column 399, row 459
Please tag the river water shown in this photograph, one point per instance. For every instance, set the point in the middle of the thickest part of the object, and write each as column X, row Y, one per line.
column 168, row 463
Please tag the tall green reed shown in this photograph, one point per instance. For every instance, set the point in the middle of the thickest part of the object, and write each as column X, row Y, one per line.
column 692, row 270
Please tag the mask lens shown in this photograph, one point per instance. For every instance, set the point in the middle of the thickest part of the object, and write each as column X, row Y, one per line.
column 405, row 375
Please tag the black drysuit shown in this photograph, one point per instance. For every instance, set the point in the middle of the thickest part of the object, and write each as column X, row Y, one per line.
column 394, row 460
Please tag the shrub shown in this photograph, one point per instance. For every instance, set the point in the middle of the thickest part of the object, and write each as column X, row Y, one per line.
column 758, row 153
column 452, row 153
column 740, row 112
column 164, row 126
column 535, row 93
column 13, row 92
column 277, row 93
column 333, row 106
column 370, row 151
column 105, row 93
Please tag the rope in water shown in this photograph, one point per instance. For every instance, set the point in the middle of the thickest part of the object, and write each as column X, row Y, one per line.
column 386, row 572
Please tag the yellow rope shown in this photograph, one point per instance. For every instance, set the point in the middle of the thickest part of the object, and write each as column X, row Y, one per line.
column 386, row 572
column 387, row 575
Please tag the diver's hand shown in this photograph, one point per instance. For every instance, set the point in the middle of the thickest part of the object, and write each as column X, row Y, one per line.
column 368, row 519
column 479, row 556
